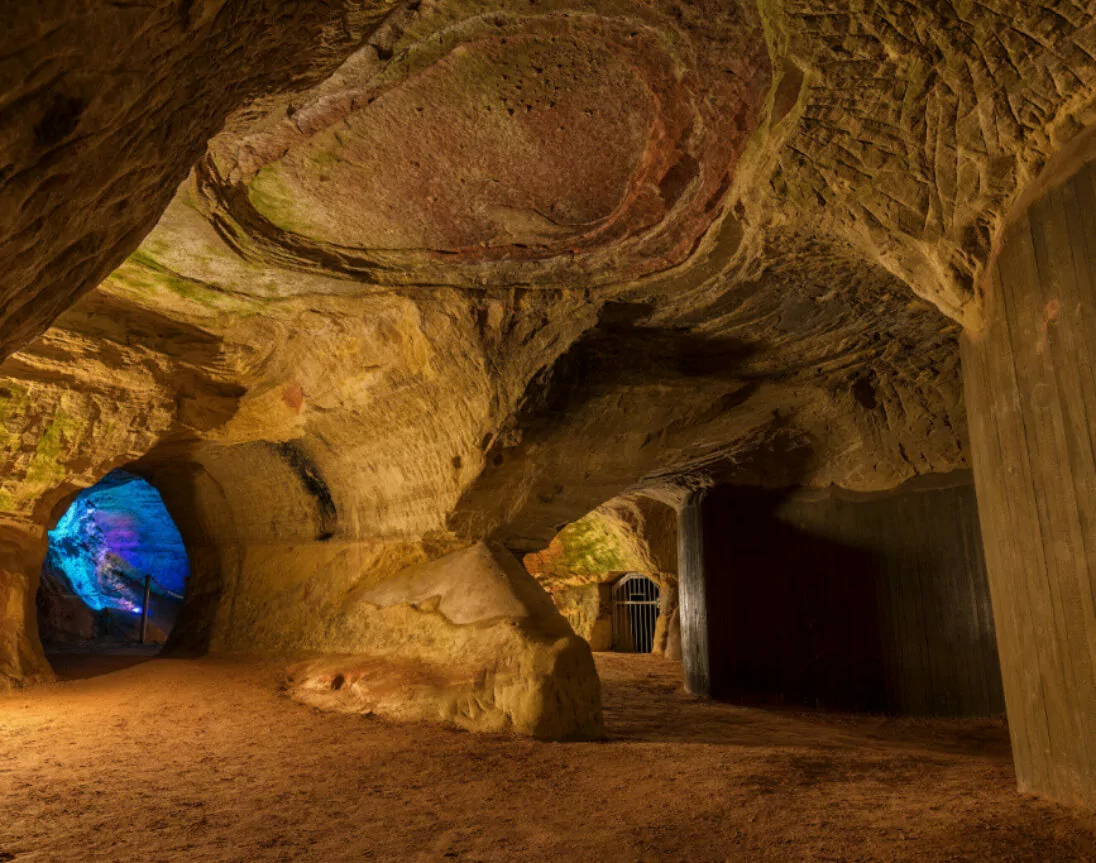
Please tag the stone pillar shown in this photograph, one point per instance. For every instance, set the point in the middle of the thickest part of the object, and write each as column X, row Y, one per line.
column 692, row 595
column 1030, row 378
column 21, row 657
column 667, row 643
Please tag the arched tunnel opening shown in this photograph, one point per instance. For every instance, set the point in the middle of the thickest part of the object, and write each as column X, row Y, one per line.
column 872, row 603
column 115, row 570
column 613, row 574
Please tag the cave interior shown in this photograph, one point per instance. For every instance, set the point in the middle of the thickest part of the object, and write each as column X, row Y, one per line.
column 687, row 395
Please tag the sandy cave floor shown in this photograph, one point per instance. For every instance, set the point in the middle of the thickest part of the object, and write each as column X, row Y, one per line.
column 203, row 760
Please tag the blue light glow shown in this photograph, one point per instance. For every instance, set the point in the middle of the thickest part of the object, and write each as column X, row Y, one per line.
column 112, row 536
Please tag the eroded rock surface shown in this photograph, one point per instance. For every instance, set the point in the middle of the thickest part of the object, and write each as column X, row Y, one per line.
column 468, row 639
column 21, row 658
column 104, row 108
column 456, row 271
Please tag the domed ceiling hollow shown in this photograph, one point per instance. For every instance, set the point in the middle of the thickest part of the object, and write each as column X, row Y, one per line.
column 505, row 150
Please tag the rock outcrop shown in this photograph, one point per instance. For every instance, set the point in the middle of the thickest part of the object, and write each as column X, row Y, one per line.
column 84, row 83
column 469, row 639
column 21, row 659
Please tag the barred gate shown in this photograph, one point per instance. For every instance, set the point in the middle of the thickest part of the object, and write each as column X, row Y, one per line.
column 635, row 610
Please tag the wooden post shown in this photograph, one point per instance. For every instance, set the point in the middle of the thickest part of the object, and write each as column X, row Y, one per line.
column 693, row 596
column 144, row 606
column 1030, row 379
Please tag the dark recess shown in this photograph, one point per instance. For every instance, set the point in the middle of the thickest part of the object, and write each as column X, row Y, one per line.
column 59, row 121
column 854, row 602
column 619, row 353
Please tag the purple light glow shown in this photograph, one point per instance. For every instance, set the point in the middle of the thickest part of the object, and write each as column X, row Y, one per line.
column 112, row 536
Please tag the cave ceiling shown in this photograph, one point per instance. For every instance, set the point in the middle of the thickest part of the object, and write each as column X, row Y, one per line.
column 483, row 266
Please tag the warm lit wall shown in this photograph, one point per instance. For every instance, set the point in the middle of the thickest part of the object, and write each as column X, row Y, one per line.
column 21, row 658
column 272, row 557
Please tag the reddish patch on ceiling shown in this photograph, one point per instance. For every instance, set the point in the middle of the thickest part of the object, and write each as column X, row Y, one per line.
column 572, row 143
column 293, row 395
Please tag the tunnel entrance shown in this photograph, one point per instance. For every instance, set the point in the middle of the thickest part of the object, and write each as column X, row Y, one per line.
column 115, row 570
column 635, row 612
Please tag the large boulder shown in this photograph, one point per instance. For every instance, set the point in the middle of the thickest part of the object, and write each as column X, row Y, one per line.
column 469, row 639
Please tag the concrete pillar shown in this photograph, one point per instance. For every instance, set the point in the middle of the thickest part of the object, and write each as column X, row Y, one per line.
column 1030, row 378
column 692, row 595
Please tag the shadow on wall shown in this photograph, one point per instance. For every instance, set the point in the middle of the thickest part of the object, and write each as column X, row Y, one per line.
column 794, row 615
column 852, row 601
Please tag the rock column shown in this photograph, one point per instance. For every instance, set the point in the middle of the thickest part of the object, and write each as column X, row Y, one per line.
column 1030, row 378
column 21, row 657
column 692, row 590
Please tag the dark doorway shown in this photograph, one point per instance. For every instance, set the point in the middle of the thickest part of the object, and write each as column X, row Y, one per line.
column 635, row 612
column 115, row 570
column 850, row 601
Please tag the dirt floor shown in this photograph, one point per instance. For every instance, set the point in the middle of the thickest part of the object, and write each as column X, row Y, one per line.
column 203, row 760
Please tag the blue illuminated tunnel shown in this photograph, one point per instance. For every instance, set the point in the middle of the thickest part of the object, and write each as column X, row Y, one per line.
column 112, row 536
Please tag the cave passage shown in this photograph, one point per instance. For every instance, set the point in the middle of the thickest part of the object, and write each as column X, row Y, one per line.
column 112, row 536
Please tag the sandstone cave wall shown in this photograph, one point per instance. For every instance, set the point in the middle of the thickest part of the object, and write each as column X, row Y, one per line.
column 271, row 563
column 93, row 146
column 450, row 391
column 876, row 602
column 21, row 658
column 588, row 609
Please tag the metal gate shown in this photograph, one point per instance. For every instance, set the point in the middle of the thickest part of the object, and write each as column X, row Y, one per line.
column 635, row 610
